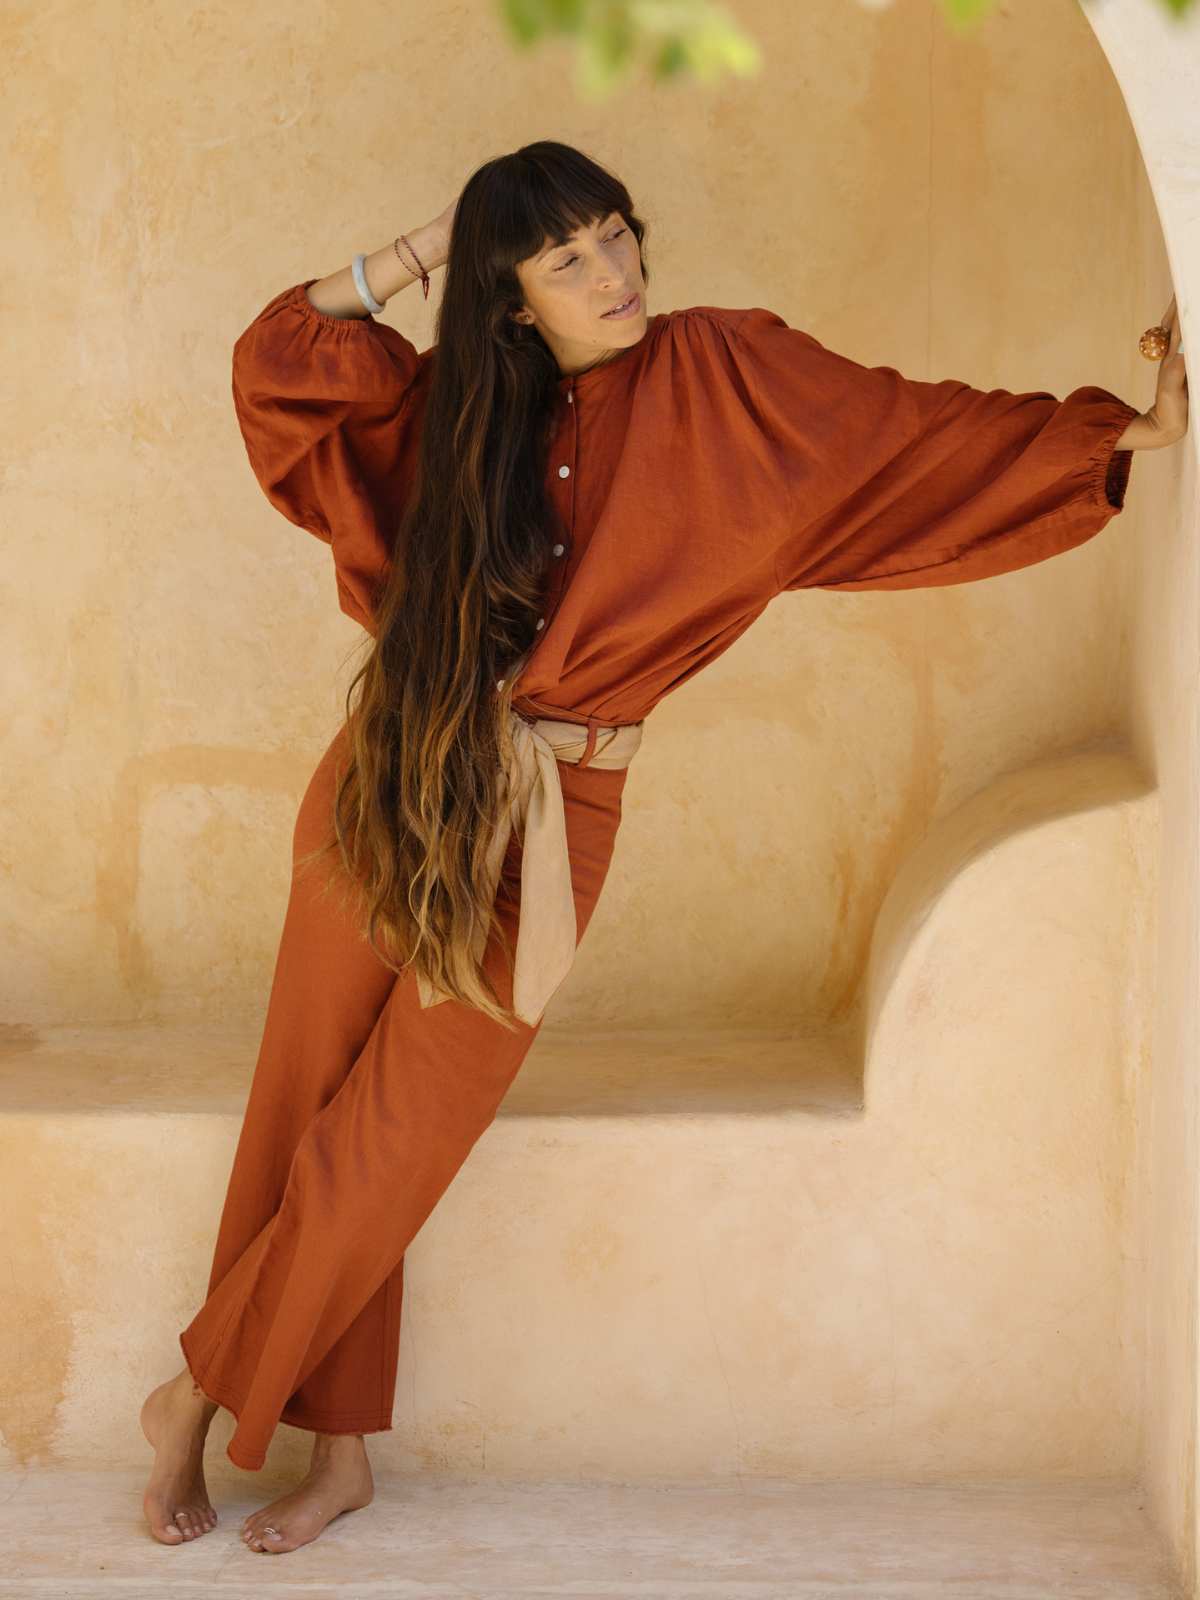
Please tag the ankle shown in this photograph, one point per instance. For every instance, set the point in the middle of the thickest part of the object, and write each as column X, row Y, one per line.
column 190, row 1387
column 338, row 1446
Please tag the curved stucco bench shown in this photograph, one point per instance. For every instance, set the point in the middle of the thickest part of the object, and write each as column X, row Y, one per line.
column 681, row 1254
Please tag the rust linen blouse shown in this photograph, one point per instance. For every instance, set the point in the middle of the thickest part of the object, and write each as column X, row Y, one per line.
column 722, row 459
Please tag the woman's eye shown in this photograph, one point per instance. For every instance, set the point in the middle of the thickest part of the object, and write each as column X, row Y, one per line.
column 569, row 259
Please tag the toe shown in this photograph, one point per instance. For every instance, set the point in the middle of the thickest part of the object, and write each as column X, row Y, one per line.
column 167, row 1532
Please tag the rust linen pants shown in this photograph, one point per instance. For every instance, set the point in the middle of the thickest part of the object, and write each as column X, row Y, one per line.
column 362, row 1108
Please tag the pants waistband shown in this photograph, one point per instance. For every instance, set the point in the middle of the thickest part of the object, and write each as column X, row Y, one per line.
column 595, row 725
column 546, row 934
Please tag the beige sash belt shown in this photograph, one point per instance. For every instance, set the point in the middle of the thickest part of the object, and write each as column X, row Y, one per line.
column 546, row 931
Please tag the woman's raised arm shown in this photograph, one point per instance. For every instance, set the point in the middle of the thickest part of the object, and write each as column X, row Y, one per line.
column 384, row 270
column 325, row 400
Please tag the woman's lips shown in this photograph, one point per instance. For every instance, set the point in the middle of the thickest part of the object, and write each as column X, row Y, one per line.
column 631, row 308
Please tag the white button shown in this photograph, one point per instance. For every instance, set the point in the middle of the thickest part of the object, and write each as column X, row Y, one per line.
column 564, row 472
column 541, row 623
column 570, row 399
column 559, row 548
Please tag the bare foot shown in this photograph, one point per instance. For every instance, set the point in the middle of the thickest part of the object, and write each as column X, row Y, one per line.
column 175, row 1419
column 339, row 1479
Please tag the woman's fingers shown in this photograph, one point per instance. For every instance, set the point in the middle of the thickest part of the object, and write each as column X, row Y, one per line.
column 1170, row 322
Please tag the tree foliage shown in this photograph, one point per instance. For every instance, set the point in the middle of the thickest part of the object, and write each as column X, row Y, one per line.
column 677, row 38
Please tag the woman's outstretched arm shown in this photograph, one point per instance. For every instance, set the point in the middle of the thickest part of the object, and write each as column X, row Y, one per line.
column 893, row 482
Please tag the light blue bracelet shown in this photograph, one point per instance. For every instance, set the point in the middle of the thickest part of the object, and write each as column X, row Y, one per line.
column 360, row 283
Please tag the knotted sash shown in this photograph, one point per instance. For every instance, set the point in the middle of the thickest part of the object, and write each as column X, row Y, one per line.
column 546, row 930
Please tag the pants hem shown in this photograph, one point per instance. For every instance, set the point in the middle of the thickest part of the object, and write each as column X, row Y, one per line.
column 311, row 1421
column 337, row 1421
column 221, row 1396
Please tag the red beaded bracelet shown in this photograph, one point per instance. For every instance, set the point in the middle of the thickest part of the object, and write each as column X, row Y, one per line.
column 424, row 276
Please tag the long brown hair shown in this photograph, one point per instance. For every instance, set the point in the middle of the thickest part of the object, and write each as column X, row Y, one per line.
column 428, row 736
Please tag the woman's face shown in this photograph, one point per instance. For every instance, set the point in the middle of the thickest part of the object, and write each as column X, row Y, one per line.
column 569, row 287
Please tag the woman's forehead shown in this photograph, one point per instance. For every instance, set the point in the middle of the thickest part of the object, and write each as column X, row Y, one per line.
column 549, row 243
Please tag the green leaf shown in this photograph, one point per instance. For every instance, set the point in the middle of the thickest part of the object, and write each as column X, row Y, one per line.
column 964, row 13
column 671, row 58
column 567, row 16
column 526, row 20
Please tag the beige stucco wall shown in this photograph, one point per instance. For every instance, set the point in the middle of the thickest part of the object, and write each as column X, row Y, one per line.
column 1157, row 66
column 176, row 661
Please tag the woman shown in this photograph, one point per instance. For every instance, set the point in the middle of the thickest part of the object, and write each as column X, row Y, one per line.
column 545, row 523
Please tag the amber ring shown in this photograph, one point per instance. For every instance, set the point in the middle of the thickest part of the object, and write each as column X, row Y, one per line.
column 1155, row 343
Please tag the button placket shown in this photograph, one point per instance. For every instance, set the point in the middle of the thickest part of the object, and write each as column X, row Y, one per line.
column 557, row 578
column 571, row 449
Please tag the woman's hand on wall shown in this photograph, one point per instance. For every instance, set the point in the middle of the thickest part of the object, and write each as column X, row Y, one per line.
column 1166, row 422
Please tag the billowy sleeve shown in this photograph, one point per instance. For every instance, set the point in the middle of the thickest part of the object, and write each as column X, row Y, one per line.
column 896, row 483
column 325, row 407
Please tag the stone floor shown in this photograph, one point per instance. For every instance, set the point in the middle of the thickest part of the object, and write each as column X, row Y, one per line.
column 75, row 1535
